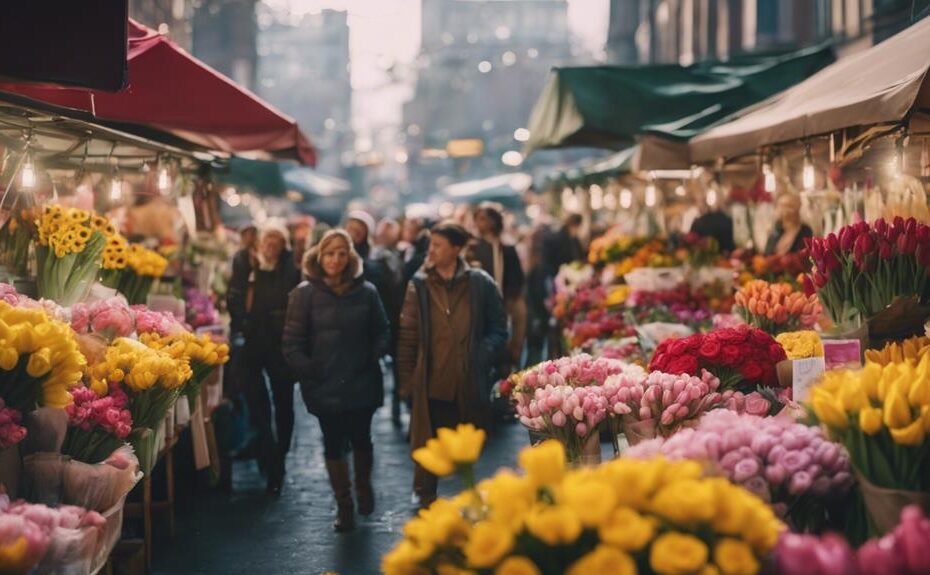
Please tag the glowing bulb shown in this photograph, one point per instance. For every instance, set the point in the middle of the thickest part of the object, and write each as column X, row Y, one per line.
column 807, row 176
column 28, row 174
column 597, row 197
column 116, row 188
column 650, row 195
column 521, row 134
column 712, row 197
column 512, row 158
column 769, row 178
column 234, row 200
column 680, row 191
column 626, row 198
column 164, row 181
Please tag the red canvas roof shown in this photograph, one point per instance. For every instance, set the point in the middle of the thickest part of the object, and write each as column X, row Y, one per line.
column 170, row 90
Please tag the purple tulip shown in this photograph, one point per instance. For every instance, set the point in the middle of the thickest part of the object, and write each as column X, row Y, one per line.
column 800, row 482
column 745, row 469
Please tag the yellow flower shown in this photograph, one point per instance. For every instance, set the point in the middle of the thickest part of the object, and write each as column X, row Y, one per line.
column 9, row 357
column 870, row 420
column 13, row 556
column 487, row 545
column 405, row 559
column 99, row 387
column 591, row 499
column 919, row 393
column 627, row 529
column 517, row 566
column 685, row 502
column 853, row 397
column 434, row 459
column 462, row 445
column 829, row 411
column 735, row 558
column 508, row 497
column 896, row 411
column 634, row 481
column 869, row 377
column 912, row 434
column 553, row 525
column 675, row 553
column 603, row 560
column 447, row 569
column 40, row 362
column 544, row 463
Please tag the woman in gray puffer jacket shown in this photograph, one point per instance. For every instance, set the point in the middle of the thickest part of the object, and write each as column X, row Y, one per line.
column 335, row 333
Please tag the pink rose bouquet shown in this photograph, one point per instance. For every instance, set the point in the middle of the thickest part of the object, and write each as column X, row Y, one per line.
column 901, row 552
column 111, row 318
column 11, row 430
column 790, row 465
column 98, row 425
column 161, row 322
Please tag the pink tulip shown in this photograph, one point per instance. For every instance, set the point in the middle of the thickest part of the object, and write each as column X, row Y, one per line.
column 558, row 419
column 581, row 429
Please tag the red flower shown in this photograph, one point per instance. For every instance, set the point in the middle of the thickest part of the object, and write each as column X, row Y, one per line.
column 729, row 355
column 752, row 371
column 710, row 348
column 685, row 364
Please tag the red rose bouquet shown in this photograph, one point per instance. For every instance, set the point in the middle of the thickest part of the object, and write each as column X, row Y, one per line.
column 742, row 357
column 863, row 269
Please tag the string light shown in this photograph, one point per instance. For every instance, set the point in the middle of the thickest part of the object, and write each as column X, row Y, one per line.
column 769, row 176
column 712, row 197
column 27, row 174
column 680, row 190
column 116, row 187
column 597, row 197
column 164, row 180
column 651, row 195
column 626, row 199
column 807, row 175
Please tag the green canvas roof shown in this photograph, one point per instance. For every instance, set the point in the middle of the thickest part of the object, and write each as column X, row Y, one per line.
column 610, row 106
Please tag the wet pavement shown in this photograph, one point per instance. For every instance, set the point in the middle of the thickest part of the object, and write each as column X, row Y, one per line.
column 249, row 532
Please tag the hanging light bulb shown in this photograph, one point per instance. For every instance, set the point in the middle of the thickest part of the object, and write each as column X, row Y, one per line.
column 807, row 175
column 769, row 176
column 712, row 197
column 116, row 187
column 680, row 190
column 27, row 174
column 651, row 195
column 626, row 198
column 164, row 180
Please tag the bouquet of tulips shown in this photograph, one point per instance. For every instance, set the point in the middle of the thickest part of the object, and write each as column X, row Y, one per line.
column 134, row 280
column 901, row 552
column 202, row 353
column 98, row 423
column 791, row 466
column 776, row 308
column 882, row 415
column 109, row 318
column 863, row 269
column 623, row 517
column 69, row 252
column 801, row 344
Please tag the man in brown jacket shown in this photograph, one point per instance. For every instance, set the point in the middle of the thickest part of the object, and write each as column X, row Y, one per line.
column 452, row 332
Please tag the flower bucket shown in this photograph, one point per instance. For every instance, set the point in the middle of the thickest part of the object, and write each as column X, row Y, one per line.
column 638, row 431
column 884, row 505
column 585, row 455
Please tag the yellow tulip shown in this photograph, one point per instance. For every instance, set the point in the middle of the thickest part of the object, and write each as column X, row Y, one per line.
column 603, row 560
column 925, row 417
column 912, row 434
column 870, row 420
column 919, row 394
column 406, row 559
column 487, row 545
column 462, row 445
column 99, row 387
column 830, row 411
column 869, row 377
column 896, row 411
column 591, row 499
column 686, row 501
column 853, row 397
column 14, row 555
column 544, row 463
column 675, row 553
column 517, row 566
column 434, row 459
column 627, row 530
column 39, row 363
column 9, row 357
column 735, row 558
column 553, row 525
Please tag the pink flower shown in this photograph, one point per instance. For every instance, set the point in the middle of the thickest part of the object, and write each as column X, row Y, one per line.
column 800, row 482
column 881, row 557
column 745, row 469
column 757, row 404
column 912, row 535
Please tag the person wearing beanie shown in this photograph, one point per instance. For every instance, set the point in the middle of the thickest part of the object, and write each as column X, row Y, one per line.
column 335, row 335
column 257, row 301
column 452, row 333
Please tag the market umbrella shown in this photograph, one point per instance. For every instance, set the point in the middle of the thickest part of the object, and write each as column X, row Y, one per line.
column 506, row 189
column 282, row 179
column 884, row 84
column 610, row 106
column 171, row 91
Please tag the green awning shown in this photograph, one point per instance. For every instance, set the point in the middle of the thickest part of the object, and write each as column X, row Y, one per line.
column 278, row 178
column 610, row 106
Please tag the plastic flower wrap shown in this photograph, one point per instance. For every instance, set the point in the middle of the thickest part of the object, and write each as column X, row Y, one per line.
column 776, row 308
column 742, row 357
column 801, row 344
column 11, row 430
column 622, row 517
column 134, row 280
column 69, row 252
column 39, row 360
column 863, row 269
column 98, row 424
column 659, row 404
column 200, row 308
column 882, row 416
column 203, row 354
column 790, row 465
column 110, row 318
column 901, row 552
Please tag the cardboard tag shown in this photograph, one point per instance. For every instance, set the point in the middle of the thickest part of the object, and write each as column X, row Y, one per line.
column 805, row 373
column 842, row 353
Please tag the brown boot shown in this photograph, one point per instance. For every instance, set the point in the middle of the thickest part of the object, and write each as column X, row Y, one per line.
column 364, row 494
column 338, row 470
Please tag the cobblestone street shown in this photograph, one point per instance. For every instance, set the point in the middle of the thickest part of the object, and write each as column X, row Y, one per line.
column 250, row 532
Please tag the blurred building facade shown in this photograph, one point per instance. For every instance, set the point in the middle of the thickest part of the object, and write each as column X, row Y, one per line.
column 224, row 36
column 170, row 17
column 687, row 31
column 481, row 68
column 304, row 71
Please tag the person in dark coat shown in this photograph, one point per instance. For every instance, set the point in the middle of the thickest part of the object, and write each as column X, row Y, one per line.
column 718, row 225
column 502, row 263
column 334, row 338
column 452, row 333
column 257, row 302
column 564, row 246
column 790, row 232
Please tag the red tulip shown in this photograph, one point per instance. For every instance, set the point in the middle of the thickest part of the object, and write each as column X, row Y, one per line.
column 923, row 233
column 847, row 238
column 885, row 251
column 865, row 245
column 880, row 226
column 910, row 226
column 906, row 243
column 832, row 242
column 819, row 279
column 830, row 262
column 808, row 285
column 923, row 254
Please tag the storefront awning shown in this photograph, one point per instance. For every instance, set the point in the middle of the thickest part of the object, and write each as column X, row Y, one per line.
column 880, row 85
column 507, row 189
column 282, row 179
column 171, row 91
column 611, row 106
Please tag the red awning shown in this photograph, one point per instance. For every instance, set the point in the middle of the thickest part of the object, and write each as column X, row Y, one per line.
column 170, row 90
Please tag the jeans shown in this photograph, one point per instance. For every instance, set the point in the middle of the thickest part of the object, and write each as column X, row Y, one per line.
column 281, row 380
column 344, row 429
